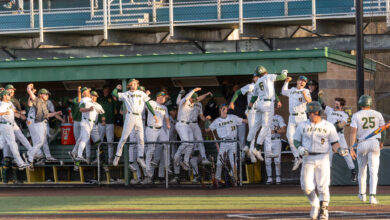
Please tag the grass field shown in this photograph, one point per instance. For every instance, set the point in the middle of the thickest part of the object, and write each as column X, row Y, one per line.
column 95, row 204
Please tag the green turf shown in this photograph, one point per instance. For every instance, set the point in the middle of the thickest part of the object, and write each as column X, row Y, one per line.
column 160, row 204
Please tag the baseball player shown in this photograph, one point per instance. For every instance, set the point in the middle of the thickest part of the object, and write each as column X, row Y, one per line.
column 313, row 138
column 183, row 127
column 363, row 123
column 90, row 110
column 195, row 113
column 155, row 132
column 42, row 115
column 173, row 136
column 298, row 97
column 106, row 121
column 135, row 100
column 278, row 127
column 251, row 113
column 265, row 92
column 8, row 141
column 339, row 119
column 226, row 126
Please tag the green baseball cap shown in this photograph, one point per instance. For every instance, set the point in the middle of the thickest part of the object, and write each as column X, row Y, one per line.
column 131, row 80
column 44, row 91
column 304, row 78
column 259, row 71
column 141, row 88
column 161, row 94
column 84, row 89
column 194, row 96
column 3, row 93
column 94, row 93
column 9, row 86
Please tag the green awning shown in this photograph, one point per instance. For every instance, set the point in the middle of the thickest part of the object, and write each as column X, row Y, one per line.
column 173, row 65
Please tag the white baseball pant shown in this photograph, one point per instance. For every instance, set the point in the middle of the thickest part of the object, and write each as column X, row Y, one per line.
column 76, row 133
column 276, row 150
column 34, row 135
column 133, row 153
column 10, row 148
column 132, row 122
column 251, row 123
column 315, row 174
column 108, row 131
column 231, row 149
column 185, row 133
column 198, row 137
column 153, row 135
column 293, row 122
column 88, row 130
column 368, row 153
column 40, row 132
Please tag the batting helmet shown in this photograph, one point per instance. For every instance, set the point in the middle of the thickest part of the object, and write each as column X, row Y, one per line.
column 313, row 107
column 259, row 71
column 365, row 100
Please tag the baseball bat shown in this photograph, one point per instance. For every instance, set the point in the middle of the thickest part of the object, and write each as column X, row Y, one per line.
column 377, row 131
column 216, row 143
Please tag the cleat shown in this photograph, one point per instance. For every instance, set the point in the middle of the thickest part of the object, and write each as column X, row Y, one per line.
column 72, row 155
column 147, row 180
column 205, row 161
column 315, row 208
column 134, row 181
column 132, row 167
column 362, row 197
column 257, row 154
column 175, row 180
column 185, row 166
column 141, row 162
column 278, row 180
column 353, row 176
column 80, row 159
column 40, row 162
column 269, row 181
column 196, row 179
column 324, row 213
column 23, row 166
column 116, row 161
column 373, row 200
column 297, row 162
column 51, row 159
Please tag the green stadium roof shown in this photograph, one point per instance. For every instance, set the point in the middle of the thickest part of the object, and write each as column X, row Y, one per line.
column 174, row 65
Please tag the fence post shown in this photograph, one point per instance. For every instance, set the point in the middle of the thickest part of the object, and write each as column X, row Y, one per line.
column 167, row 158
column 41, row 39
column 105, row 31
column 92, row 6
column 388, row 14
column 171, row 18
column 32, row 13
column 98, row 162
column 313, row 16
column 126, row 147
column 120, row 7
column 154, row 11
column 240, row 17
column 219, row 9
column 285, row 7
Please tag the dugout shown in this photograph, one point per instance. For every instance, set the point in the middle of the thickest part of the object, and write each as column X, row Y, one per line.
column 334, row 70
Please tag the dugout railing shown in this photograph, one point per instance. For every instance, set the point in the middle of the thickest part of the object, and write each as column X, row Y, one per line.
column 166, row 151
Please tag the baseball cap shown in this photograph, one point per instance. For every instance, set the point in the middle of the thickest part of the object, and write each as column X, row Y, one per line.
column 9, row 86
column 161, row 94
column 131, row 80
column 3, row 93
column 304, row 78
column 84, row 89
column 94, row 93
column 222, row 105
column 194, row 96
column 260, row 70
column 141, row 88
column 312, row 82
column 44, row 91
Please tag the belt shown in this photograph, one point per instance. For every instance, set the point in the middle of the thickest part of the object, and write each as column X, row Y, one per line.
column 133, row 113
column 155, row 127
column 6, row 123
column 266, row 100
column 228, row 139
column 313, row 153
column 295, row 114
column 89, row 120
column 194, row 122
column 186, row 122
column 275, row 138
column 253, row 108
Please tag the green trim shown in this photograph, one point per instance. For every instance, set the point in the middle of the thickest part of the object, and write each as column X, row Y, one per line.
column 177, row 65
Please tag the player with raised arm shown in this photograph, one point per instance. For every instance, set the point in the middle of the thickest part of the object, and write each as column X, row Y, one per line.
column 313, row 139
column 363, row 123
column 265, row 93
column 298, row 97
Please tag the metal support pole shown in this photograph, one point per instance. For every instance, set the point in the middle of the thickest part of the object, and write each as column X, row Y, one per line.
column 166, row 160
column 92, row 6
column 359, row 49
column 105, row 29
column 126, row 147
column 285, row 7
column 154, row 11
column 109, row 11
column 171, row 33
column 388, row 14
column 41, row 39
column 240, row 167
column 313, row 16
column 120, row 7
column 219, row 9
column 98, row 161
column 240, row 17
column 32, row 14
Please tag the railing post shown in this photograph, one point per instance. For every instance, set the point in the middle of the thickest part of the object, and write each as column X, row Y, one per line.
column 313, row 16
column 285, row 7
column 388, row 14
column 32, row 14
column 154, row 11
column 166, row 161
column 41, row 39
column 171, row 18
column 98, row 161
column 219, row 9
column 92, row 5
column 120, row 7
column 109, row 11
column 240, row 17
column 126, row 147
column 105, row 31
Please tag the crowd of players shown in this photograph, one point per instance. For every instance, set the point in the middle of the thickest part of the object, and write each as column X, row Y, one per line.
column 311, row 139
